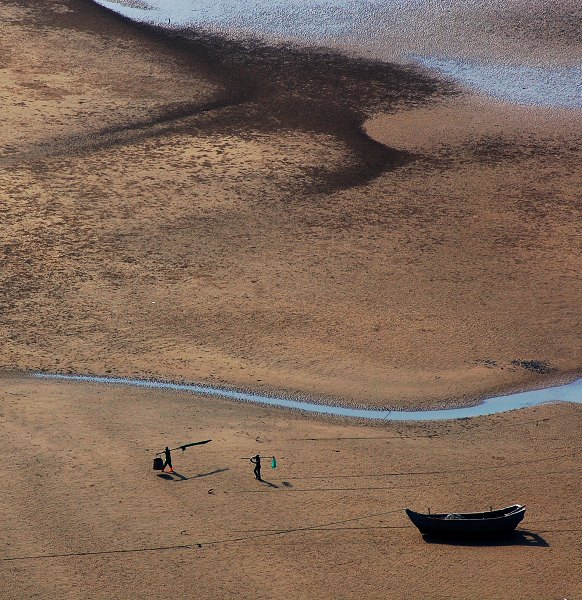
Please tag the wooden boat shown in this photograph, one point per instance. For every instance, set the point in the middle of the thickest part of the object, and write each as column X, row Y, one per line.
column 488, row 523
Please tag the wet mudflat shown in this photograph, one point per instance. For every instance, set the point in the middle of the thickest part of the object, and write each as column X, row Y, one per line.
column 227, row 212
column 523, row 52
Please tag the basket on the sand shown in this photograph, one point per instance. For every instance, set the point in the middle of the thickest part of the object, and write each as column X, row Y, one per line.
column 158, row 463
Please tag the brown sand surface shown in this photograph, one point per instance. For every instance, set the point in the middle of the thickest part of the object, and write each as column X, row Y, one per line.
column 210, row 211
column 84, row 515
column 207, row 211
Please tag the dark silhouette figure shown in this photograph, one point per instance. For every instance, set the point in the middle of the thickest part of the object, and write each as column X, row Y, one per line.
column 256, row 460
column 167, row 461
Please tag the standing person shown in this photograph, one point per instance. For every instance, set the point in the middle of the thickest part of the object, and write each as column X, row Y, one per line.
column 256, row 460
column 168, row 461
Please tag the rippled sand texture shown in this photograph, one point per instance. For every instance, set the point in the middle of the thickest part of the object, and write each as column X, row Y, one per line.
column 213, row 213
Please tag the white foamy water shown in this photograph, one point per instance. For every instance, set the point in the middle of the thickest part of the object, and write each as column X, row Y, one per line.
column 523, row 51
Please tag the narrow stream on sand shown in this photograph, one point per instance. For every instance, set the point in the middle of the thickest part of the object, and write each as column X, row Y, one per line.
column 571, row 392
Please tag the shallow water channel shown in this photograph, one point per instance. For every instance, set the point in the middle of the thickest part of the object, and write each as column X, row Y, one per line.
column 571, row 392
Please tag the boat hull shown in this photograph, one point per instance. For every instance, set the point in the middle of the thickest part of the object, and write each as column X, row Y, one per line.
column 484, row 524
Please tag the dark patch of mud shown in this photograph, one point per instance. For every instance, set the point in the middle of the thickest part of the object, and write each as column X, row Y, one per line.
column 535, row 366
column 265, row 89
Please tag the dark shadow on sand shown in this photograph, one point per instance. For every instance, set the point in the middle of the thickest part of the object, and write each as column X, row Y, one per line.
column 515, row 538
column 215, row 472
column 269, row 483
column 175, row 476
column 299, row 88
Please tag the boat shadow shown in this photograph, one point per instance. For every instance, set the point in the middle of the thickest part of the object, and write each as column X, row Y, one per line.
column 520, row 537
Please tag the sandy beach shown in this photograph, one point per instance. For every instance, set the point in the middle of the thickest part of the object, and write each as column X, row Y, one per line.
column 193, row 208
column 83, row 504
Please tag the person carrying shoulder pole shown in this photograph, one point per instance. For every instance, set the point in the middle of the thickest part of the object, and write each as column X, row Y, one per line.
column 256, row 460
column 167, row 461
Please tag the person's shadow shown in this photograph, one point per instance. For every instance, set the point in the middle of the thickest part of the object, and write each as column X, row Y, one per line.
column 175, row 476
column 166, row 476
column 269, row 483
column 215, row 472
column 520, row 537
